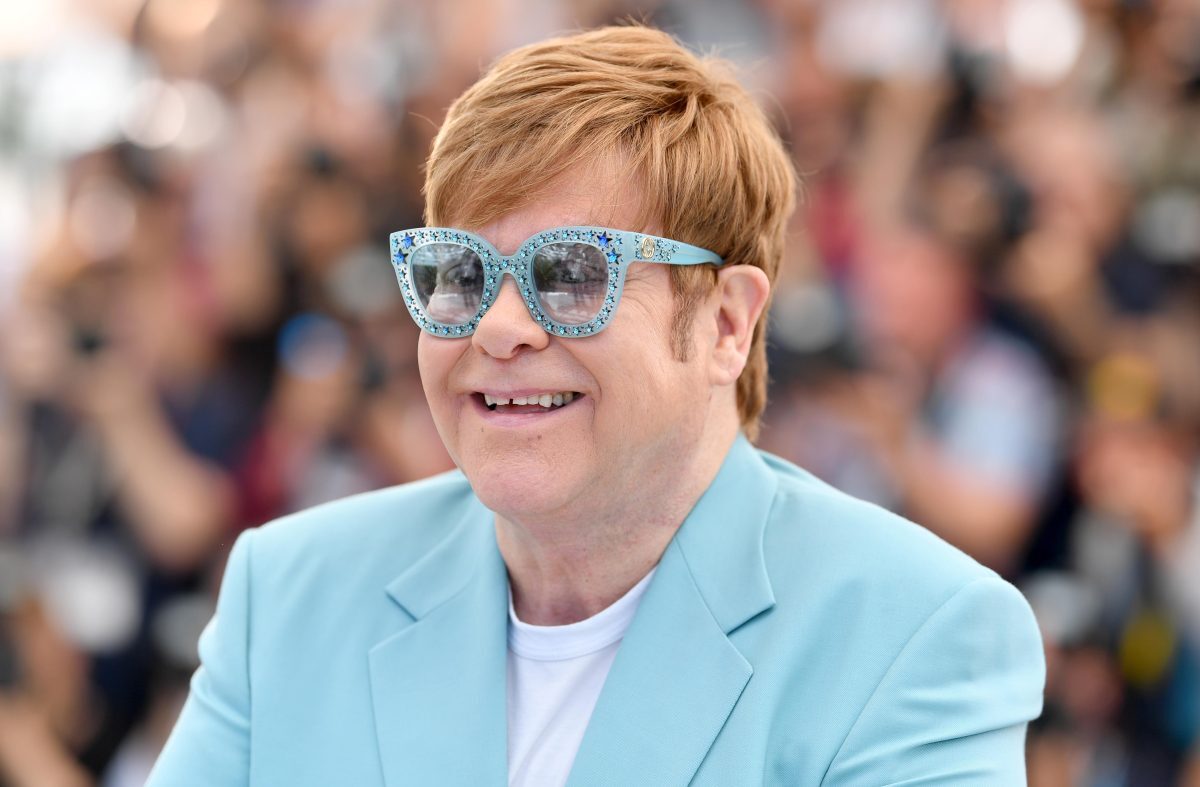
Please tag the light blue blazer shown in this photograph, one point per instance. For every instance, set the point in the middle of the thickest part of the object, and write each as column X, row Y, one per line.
column 791, row 635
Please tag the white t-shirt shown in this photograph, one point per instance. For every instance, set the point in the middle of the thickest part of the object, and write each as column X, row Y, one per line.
column 555, row 674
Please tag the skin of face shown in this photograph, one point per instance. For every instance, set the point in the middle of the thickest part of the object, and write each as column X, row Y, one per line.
column 642, row 412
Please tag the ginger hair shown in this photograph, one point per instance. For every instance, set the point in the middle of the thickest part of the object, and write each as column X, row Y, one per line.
column 712, row 170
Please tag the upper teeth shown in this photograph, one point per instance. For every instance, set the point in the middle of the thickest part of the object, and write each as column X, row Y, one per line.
column 545, row 400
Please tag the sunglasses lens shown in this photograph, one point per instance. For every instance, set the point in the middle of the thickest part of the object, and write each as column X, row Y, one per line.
column 571, row 281
column 448, row 279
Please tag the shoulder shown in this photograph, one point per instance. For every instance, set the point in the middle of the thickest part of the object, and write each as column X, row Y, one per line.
column 883, row 597
column 809, row 513
column 380, row 532
column 822, row 546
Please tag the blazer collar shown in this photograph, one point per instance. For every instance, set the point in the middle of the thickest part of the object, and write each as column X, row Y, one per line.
column 677, row 677
column 438, row 683
column 448, row 567
column 722, row 538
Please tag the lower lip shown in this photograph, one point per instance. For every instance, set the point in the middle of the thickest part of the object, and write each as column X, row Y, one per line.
column 521, row 417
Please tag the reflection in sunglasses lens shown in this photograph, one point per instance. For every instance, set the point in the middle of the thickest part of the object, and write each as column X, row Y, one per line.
column 448, row 279
column 571, row 281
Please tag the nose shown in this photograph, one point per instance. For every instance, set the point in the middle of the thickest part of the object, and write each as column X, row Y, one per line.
column 508, row 326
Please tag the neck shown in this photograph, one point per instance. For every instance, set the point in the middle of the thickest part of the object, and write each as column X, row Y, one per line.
column 566, row 566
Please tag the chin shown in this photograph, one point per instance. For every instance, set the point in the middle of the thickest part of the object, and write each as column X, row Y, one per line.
column 516, row 490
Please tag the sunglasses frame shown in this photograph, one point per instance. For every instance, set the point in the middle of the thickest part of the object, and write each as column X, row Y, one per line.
column 620, row 248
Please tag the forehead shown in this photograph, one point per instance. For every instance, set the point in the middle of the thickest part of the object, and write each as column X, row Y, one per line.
column 599, row 194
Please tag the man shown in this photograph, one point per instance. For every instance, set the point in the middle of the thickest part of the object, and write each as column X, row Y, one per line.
column 615, row 588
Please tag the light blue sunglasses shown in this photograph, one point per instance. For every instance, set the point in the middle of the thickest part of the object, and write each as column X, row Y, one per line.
column 571, row 278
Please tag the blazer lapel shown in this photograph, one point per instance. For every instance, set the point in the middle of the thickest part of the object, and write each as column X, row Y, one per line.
column 438, row 684
column 677, row 676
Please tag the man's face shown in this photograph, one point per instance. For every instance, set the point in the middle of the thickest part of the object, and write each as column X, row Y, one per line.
column 635, row 411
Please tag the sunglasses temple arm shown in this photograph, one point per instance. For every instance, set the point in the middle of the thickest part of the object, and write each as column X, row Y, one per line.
column 693, row 255
column 686, row 254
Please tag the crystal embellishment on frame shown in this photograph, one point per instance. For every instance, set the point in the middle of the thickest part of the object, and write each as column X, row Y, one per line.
column 614, row 244
column 404, row 246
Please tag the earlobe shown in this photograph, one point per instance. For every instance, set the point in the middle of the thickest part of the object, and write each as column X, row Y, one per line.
column 740, row 297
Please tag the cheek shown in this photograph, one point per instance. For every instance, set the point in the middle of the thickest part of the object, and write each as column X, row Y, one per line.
column 436, row 359
column 653, row 374
column 644, row 388
column 429, row 365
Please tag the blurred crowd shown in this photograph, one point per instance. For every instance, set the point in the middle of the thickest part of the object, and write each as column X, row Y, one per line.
column 989, row 319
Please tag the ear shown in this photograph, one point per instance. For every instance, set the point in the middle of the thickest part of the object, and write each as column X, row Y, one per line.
column 739, row 299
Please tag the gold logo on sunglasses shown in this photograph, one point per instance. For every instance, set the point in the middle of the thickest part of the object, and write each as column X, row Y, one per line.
column 647, row 248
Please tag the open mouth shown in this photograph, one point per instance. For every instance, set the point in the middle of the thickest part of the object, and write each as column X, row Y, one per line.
column 537, row 403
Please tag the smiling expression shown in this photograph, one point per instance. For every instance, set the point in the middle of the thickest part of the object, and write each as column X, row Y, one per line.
column 540, row 423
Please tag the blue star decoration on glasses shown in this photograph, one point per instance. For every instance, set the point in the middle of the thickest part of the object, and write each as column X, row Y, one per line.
column 605, row 242
column 612, row 244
